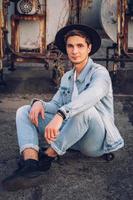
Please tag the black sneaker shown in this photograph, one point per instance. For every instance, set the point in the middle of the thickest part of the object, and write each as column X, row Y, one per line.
column 45, row 161
column 26, row 175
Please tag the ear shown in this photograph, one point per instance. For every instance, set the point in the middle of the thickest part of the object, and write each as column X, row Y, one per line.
column 89, row 48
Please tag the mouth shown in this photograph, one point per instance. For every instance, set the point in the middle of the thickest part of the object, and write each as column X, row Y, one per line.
column 75, row 58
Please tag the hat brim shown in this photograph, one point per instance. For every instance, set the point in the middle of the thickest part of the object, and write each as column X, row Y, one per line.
column 89, row 32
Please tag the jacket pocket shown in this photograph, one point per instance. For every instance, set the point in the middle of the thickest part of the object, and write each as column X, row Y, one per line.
column 66, row 95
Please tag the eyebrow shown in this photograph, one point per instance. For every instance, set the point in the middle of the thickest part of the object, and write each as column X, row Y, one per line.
column 74, row 44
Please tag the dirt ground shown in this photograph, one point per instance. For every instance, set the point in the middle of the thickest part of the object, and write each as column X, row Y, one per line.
column 75, row 176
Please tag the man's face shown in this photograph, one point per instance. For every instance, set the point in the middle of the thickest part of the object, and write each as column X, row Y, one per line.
column 77, row 49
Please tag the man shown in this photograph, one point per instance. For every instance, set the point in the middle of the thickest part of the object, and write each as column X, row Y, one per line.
column 80, row 116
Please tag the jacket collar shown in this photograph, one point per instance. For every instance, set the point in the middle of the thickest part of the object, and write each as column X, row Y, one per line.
column 83, row 73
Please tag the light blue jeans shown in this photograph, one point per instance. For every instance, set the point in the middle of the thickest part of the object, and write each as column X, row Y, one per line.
column 84, row 132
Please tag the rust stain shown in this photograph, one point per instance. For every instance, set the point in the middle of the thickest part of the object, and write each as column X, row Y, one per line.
column 122, row 29
column 87, row 3
column 1, row 35
column 15, row 34
column 3, row 26
column 76, row 8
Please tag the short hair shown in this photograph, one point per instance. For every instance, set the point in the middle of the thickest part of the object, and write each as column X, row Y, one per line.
column 80, row 33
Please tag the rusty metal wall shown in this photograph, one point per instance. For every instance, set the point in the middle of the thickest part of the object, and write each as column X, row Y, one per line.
column 90, row 13
column 101, row 14
column 69, row 11
column 85, row 12
column 109, row 19
column 57, row 13
column 30, row 30
column 1, row 34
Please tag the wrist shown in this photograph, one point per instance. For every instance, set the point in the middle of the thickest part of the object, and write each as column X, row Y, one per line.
column 59, row 117
column 59, row 112
column 37, row 100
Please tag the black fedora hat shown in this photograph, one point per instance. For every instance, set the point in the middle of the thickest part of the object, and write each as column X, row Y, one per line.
column 90, row 32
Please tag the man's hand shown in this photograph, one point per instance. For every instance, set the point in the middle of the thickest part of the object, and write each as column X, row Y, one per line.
column 36, row 109
column 52, row 129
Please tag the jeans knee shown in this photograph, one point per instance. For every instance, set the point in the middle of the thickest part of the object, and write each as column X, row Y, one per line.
column 88, row 115
column 22, row 112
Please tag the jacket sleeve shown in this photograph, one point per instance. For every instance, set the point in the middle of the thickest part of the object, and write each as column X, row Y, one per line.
column 97, row 89
column 50, row 106
column 55, row 103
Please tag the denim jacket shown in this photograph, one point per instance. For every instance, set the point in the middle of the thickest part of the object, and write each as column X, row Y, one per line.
column 95, row 89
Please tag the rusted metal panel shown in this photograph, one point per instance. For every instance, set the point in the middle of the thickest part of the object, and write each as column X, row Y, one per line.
column 15, row 34
column 85, row 12
column 28, row 35
column 126, row 28
column 54, row 20
column 3, row 28
column 42, row 35
column 57, row 13
column 1, row 34
column 117, row 25
column 18, row 33
column 90, row 13
column 119, row 34
column 109, row 18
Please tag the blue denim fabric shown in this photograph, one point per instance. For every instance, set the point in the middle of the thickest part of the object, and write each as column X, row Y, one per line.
column 95, row 90
column 84, row 132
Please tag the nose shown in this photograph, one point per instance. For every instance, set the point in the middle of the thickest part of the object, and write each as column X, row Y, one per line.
column 75, row 50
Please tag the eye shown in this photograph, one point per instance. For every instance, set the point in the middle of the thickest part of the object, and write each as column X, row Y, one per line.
column 80, row 45
column 69, row 45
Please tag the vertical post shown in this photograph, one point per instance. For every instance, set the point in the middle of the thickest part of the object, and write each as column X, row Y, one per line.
column 42, row 35
column 43, row 29
column 119, row 19
column 3, row 21
column 1, row 40
column 15, row 34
